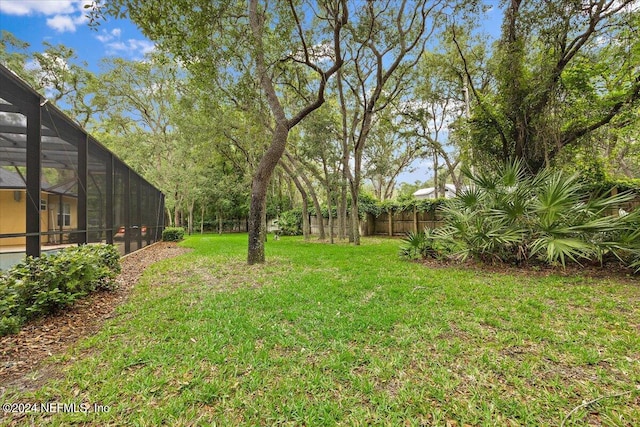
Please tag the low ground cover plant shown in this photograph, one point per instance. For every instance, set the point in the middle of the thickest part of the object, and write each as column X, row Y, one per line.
column 424, row 244
column 43, row 285
column 552, row 217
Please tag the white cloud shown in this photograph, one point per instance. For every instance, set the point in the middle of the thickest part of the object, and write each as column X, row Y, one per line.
column 114, row 47
column 81, row 19
column 133, row 48
column 44, row 7
column 62, row 15
column 103, row 38
column 61, row 23
column 108, row 36
column 142, row 46
column 32, row 65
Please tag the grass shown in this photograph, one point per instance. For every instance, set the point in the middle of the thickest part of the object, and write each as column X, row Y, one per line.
column 341, row 335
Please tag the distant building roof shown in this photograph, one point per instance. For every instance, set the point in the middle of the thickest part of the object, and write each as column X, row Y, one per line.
column 424, row 191
column 13, row 181
column 10, row 179
column 429, row 192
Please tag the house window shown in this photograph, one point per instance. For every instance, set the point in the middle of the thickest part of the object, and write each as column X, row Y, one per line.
column 43, row 204
column 65, row 220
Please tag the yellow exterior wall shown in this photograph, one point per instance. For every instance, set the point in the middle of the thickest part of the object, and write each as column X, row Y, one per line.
column 74, row 211
column 12, row 216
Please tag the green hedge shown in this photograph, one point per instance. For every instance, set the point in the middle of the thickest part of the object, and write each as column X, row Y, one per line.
column 620, row 184
column 421, row 205
column 173, row 234
column 43, row 285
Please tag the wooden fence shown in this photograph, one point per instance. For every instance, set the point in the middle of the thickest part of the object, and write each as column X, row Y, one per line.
column 627, row 207
column 315, row 225
column 400, row 223
column 396, row 224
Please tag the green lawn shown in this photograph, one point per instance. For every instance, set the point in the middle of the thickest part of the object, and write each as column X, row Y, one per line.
column 342, row 335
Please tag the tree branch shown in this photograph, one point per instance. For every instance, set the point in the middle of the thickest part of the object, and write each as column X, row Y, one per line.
column 492, row 118
column 572, row 135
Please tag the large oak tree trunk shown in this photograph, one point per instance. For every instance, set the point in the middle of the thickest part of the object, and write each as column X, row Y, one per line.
column 329, row 198
column 171, row 221
column 259, row 188
column 202, row 219
column 191, row 217
column 283, row 125
column 342, row 209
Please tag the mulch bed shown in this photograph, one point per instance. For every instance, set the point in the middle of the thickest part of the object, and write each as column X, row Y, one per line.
column 610, row 270
column 23, row 355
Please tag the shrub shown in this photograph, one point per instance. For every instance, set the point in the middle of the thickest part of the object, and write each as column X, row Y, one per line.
column 511, row 216
column 173, row 234
column 423, row 244
column 46, row 284
column 10, row 318
column 290, row 223
column 413, row 244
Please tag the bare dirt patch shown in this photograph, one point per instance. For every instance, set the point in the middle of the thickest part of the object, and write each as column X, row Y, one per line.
column 234, row 274
column 23, row 355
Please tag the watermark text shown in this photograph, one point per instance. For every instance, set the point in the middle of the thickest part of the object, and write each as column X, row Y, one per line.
column 54, row 407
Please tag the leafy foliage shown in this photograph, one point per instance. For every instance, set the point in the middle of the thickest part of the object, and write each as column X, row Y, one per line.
column 367, row 203
column 173, row 234
column 405, row 205
column 422, row 244
column 556, row 84
column 606, row 184
column 290, row 222
column 46, row 284
column 511, row 216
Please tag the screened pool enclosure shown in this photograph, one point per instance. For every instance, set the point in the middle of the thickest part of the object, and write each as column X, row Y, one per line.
column 60, row 187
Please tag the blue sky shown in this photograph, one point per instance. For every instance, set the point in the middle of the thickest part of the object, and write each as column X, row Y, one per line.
column 64, row 22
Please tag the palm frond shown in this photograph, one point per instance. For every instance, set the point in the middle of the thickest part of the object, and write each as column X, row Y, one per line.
column 559, row 248
column 508, row 214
